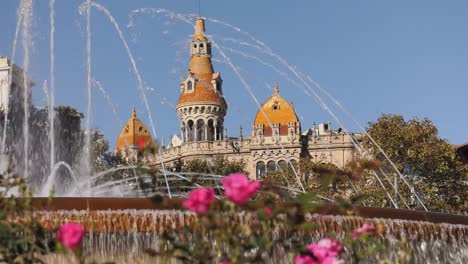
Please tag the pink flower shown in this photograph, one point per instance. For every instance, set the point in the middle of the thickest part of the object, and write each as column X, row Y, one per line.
column 238, row 188
column 224, row 262
column 326, row 250
column 332, row 260
column 365, row 229
column 305, row 259
column 70, row 235
column 200, row 200
column 267, row 211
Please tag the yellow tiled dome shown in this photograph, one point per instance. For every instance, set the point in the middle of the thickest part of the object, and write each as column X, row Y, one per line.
column 134, row 133
column 277, row 111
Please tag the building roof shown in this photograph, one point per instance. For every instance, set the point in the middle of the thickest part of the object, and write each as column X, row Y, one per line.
column 134, row 133
column 277, row 111
column 201, row 70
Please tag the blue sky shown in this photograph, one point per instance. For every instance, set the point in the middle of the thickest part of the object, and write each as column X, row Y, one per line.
column 404, row 57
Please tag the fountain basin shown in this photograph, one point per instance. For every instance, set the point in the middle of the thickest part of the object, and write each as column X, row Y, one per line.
column 122, row 228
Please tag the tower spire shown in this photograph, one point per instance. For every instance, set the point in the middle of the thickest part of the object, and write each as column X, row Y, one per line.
column 134, row 112
column 199, row 29
column 276, row 89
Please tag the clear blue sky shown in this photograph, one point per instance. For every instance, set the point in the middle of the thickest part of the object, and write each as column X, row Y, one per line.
column 399, row 56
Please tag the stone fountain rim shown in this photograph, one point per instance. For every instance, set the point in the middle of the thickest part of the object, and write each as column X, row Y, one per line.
column 117, row 203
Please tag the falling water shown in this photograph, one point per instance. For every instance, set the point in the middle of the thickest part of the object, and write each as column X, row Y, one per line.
column 265, row 49
column 51, row 179
column 137, row 74
column 52, row 84
column 98, row 85
column 87, row 154
column 186, row 19
column 19, row 20
column 27, row 6
column 118, row 234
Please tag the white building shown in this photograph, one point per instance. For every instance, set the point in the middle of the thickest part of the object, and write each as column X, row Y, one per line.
column 11, row 91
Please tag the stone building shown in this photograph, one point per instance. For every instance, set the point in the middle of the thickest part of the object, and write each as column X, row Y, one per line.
column 276, row 138
column 12, row 91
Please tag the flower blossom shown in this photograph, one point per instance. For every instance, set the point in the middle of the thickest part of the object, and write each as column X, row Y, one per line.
column 238, row 188
column 304, row 259
column 200, row 200
column 70, row 235
column 365, row 229
column 324, row 252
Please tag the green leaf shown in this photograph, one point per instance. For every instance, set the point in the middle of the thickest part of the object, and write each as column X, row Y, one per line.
column 308, row 226
column 358, row 199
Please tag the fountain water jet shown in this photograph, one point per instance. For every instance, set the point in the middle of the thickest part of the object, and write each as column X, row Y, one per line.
column 51, row 94
column 19, row 19
column 27, row 11
column 135, row 70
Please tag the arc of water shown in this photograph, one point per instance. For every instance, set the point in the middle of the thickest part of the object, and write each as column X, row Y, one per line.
column 79, row 185
column 137, row 74
column 264, row 48
column 269, row 65
column 249, row 90
column 317, row 98
column 321, row 103
column 98, row 85
column 236, row 71
column 53, row 174
column 106, row 96
column 337, row 103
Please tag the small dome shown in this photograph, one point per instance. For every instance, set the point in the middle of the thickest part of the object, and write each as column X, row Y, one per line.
column 278, row 111
column 203, row 92
column 134, row 133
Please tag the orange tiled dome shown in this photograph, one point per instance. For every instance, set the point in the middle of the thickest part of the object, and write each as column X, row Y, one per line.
column 201, row 70
column 278, row 111
column 134, row 133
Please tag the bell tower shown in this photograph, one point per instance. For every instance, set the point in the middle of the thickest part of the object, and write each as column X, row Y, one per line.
column 201, row 106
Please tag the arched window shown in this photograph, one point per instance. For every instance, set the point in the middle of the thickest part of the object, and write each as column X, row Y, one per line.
column 294, row 163
column 282, row 164
column 200, row 130
column 190, row 127
column 211, row 130
column 271, row 166
column 260, row 169
column 189, row 86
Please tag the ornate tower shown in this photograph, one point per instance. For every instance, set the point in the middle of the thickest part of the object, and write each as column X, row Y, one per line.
column 201, row 106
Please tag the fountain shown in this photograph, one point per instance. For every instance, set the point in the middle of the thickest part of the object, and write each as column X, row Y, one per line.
column 120, row 220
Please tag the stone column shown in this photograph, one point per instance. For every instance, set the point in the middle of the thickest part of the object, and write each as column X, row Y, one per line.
column 195, row 128
column 206, row 131
column 215, row 131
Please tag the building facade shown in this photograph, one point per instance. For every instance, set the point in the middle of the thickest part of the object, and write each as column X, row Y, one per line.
column 12, row 84
column 276, row 137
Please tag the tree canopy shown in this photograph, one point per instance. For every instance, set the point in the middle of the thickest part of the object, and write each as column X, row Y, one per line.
column 422, row 157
